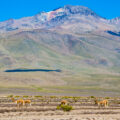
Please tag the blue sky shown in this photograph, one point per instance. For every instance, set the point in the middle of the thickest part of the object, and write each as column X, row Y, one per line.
column 22, row 8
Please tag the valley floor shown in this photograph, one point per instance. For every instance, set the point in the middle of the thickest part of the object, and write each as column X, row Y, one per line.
column 60, row 83
column 74, row 115
column 44, row 108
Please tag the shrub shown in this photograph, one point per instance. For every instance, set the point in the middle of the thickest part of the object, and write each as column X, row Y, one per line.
column 75, row 99
column 58, row 107
column 64, row 107
column 65, row 97
column 37, row 96
column 107, row 97
column 16, row 96
column 53, row 96
column 25, row 96
column 10, row 96
column 92, row 96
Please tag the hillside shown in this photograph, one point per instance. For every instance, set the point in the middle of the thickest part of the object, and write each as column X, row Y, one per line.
column 74, row 39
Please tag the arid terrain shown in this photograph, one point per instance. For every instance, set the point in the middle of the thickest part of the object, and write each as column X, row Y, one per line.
column 45, row 108
column 68, row 51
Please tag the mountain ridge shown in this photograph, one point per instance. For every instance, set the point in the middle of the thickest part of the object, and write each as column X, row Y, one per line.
column 52, row 19
column 69, row 31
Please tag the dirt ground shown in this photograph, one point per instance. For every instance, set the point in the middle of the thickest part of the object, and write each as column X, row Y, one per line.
column 49, row 115
column 44, row 108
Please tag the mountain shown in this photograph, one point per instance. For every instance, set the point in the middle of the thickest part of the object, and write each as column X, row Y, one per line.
column 66, row 31
column 74, row 39
column 64, row 15
column 115, row 20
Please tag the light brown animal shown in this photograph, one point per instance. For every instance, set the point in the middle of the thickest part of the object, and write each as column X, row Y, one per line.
column 64, row 102
column 102, row 103
column 20, row 102
column 27, row 102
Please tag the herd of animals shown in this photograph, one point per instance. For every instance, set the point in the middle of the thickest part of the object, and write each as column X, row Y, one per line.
column 21, row 102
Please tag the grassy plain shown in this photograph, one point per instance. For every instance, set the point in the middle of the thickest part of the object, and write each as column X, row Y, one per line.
column 90, row 82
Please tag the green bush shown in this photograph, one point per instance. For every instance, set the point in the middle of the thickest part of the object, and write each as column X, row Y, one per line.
column 25, row 96
column 65, row 107
column 107, row 97
column 75, row 99
column 53, row 96
column 92, row 96
column 10, row 96
column 16, row 96
column 58, row 107
column 37, row 96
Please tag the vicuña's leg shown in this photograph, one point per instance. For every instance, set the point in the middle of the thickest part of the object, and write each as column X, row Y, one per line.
column 26, row 105
column 98, row 105
column 17, row 106
column 106, row 104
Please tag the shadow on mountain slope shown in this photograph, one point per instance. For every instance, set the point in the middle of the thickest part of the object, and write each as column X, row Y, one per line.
column 33, row 70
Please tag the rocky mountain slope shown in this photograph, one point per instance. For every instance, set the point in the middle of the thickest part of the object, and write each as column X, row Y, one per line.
column 70, row 37
column 60, row 17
